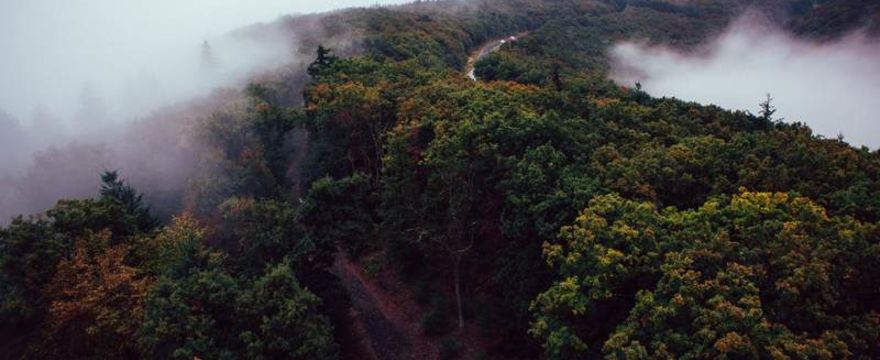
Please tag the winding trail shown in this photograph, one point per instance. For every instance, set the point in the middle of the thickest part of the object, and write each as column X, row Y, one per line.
column 486, row 49
column 389, row 319
column 383, row 312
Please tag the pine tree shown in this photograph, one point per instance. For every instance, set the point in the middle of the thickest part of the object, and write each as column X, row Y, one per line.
column 117, row 190
column 767, row 110
column 209, row 61
column 92, row 108
column 324, row 60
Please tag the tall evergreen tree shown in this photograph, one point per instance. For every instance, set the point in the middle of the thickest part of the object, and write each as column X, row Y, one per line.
column 116, row 190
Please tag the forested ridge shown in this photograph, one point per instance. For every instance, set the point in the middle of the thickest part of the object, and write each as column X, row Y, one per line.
column 542, row 211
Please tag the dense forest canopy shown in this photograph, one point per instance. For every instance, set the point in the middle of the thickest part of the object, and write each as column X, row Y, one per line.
column 542, row 211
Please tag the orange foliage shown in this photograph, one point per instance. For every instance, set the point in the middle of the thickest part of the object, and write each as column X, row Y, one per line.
column 96, row 300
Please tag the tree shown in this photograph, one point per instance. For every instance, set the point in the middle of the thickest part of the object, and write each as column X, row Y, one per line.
column 117, row 190
column 59, row 270
column 209, row 61
column 198, row 309
column 557, row 77
column 339, row 213
column 31, row 248
column 347, row 124
column 458, row 239
column 758, row 275
column 324, row 60
column 95, row 303
column 271, row 124
column 767, row 110
column 284, row 323
column 92, row 113
column 265, row 232
column 190, row 310
column 613, row 250
column 29, row 253
column 247, row 153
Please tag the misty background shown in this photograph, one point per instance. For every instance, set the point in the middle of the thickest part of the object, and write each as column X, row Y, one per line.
column 94, row 85
column 831, row 86
column 58, row 54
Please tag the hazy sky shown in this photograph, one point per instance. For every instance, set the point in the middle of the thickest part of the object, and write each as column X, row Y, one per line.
column 832, row 87
column 50, row 50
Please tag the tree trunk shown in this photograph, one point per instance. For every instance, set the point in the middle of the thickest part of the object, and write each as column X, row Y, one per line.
column 457, row 278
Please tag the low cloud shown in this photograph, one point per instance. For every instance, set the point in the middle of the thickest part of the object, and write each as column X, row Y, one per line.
column 94, row 85
column 832, row 86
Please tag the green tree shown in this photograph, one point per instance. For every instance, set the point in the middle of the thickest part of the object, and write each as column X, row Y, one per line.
column 767, row 110
column 29, row 253
column 190, row 310
column 758, row 275
column 283, row 321
column 324, row 60
column 117, row 190
column 197, row 308
column 613, row 250
column 267, row 231
column 339, row 212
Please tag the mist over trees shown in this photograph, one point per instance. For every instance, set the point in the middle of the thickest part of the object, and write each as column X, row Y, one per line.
column 752, row 57
column 147, row 130
column 13, row 135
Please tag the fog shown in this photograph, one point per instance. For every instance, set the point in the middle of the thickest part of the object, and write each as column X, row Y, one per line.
column 832, row 87
column 93, row 85
column 55, row 51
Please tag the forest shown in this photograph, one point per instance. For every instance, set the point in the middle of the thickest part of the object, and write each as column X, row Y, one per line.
column 539, row 212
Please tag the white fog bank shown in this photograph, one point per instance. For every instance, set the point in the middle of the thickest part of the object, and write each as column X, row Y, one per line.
column 94, row 85
column 131, row 55
column 831, row 87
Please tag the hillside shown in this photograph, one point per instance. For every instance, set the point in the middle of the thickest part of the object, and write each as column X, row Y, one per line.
column 376, row 202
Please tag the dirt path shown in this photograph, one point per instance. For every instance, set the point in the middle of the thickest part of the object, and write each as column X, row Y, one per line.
column 390, row 320
column 486, row 49
column 384, row 313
